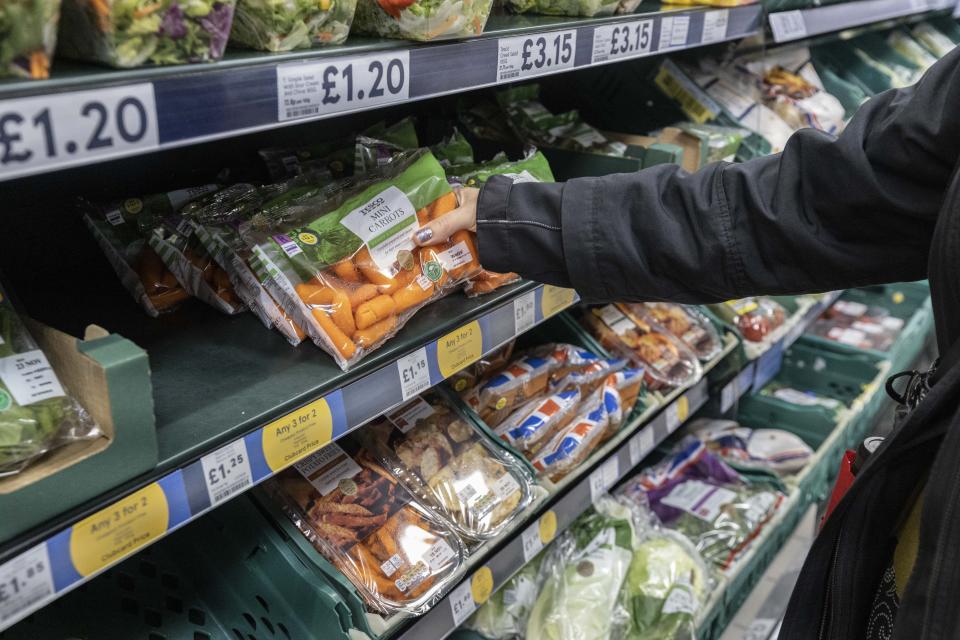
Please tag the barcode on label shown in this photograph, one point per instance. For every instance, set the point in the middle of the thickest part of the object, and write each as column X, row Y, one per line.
column 299, row 112
column 506, row 75
column 225, row 493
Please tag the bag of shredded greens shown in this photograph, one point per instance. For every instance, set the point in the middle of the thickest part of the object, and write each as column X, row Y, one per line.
column 422, row 19
column 344, row 265
column 29, row 29
column 36, row 415
column 283, row 25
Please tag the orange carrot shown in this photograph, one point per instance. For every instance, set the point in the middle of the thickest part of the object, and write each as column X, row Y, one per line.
column 444, row 204
column 341, row 311
column 366, row 338
column 347, row 271
column 314, row 294
column 370, row 270
column 39, row 64
column 362, row 293
column 147, row 10
column 373, row 311
column 471, row 268
column 340, row 341
column 402, row 279
column 413, row 294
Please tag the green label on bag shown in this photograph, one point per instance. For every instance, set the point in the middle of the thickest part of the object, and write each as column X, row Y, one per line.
column 5, row 400
column 433, row 270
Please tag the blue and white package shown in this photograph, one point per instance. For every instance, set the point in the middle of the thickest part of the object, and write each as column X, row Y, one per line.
column 538, row 420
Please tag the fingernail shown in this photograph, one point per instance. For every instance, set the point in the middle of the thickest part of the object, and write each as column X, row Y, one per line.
column 424, row 235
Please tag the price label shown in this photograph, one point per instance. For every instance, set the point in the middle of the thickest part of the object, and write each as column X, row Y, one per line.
column 534, row 55
column 74, row 128
column 729, row 394
column 604, row 477
column 226, row 471
column 414, row 373
column 555, row 299
column 677, row 413
column 920, row 5
column 760, row 629
column 788, row 25
column 26, row 584
column 537, row 535
column 715, row 26
column 524, row 312
column 297, row 434
column 341, row 84
column 794, row 334
column 956, row 10
column 625, row 40
column 641, row 444
column 462, row 604
column 459, row 348
column 673, row 32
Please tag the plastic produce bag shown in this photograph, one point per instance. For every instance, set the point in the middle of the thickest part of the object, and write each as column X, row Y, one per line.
column 283, row 25
column 36, row 415
column 217, row 223
column 443, row 459
column 453, row 150
column 532, row 425
column 858, row 325
column 422, row 19
column 467, row 378
column 28, row 34
column 774, row 450
column 685, row 322
column 584, row 8
column 355, row 513
column 754, row 318
column 936, row 42
column 694, row 492
column 665, row 359
column 504, row 615
column 344, row 265
column 803, row 398
column 585, row 570
column 132, row 33
column 585, row 432
column 121, row 229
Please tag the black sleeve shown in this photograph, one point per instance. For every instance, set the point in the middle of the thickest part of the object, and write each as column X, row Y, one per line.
column 826, row 213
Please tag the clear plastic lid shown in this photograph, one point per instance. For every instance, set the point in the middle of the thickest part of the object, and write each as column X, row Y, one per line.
column 685, row 322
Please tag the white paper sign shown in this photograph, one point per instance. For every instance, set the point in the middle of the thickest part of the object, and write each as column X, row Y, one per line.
column 226, row 471
column 641, row 444
column 532, row 544
column 29, row 378
column 26, row 584
column 535, row 54
column 715, row 26
column 462, row 604
column 621, row 41
column 524, row 313
column 604, row 477
column 788, row 25
column 673, row 32
column 414, row 373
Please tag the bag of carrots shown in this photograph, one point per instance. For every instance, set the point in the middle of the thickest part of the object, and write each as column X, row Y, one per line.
column 344, row 264
column 533, row 168
column 121, row 229
column 368, row 526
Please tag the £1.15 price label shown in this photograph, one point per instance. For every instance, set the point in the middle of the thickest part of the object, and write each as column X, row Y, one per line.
column 316, row 89
column 77, row 127
column 414, row 372
column 626, row 40
column 534, row 55
column 26, row 584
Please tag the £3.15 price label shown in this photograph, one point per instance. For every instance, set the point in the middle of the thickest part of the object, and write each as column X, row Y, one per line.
column 341, row 84
column 534, row 55
column 414, row 373
column 226, row 471
column 73, row 128
column 626, row 40
column 26, row 583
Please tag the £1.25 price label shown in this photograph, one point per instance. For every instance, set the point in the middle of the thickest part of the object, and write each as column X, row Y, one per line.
column 534, row 55
column 625, row 40
column 315, row 89
column 226, row 471
column 77, row 127
column 26, row 584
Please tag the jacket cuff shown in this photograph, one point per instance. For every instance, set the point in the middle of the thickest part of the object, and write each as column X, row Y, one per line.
column 493, row 239
column 583, row 230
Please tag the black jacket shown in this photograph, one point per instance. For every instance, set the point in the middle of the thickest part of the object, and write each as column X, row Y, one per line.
column 879, row 204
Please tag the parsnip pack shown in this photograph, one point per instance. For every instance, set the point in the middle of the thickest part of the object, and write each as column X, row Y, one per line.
column 398, row 555
column 121, row 228
column 346, row 268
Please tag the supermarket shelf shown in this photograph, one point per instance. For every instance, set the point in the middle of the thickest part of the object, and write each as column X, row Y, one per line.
column 787, row 26
column 457, row 606
column 164, row 107
column 758, row 372
column 243, row 434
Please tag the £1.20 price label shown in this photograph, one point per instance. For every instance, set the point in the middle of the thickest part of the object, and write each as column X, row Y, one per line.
column 316, row 89
column 414, row 372
column 77, row 127
column 625, row 40
column 26, row 584
column 534, row 55
column 524, row 312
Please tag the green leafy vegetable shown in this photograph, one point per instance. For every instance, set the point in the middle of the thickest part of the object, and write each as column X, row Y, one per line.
column 28, row 33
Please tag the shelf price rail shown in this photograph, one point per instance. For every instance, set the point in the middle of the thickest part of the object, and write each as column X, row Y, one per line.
column 47, row 125
column 72, row 556
column 787, row 26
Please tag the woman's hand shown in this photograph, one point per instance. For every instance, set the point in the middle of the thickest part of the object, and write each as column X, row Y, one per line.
column 463, row 217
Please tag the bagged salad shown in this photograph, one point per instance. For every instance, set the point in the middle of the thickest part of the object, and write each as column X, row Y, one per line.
column 283, row 25
column 121, row 228
column 369, row 527
column 131, row 33
column 504, row 616
column 28, row 34
column 532, row 168
column 666, row 360
column 422, row 19
column 685, row 322
column 344, row 265
column 217, row 222
column 36, row 414
column 584, row 8
column 754, row 318
column 444, row 460
column 773, row 450
column 694, row 492
column 584, row 573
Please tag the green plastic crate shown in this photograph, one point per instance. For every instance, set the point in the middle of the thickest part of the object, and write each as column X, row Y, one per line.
column 229, row 576
column 909, row 301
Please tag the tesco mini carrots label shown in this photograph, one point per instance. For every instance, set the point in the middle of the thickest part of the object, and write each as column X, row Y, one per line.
column 297, row 434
